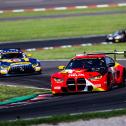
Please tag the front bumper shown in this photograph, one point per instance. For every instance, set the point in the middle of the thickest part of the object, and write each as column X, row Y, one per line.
column 113, row 40
column 62, row 90
column 83, row 86
column 20, row 70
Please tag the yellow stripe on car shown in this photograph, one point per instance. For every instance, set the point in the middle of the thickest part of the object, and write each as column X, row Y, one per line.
column 26, row 59
column 97, row 89
column 116, row 64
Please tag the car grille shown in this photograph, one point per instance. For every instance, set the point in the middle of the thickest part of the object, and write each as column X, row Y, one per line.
column 76, row 84
column 71, row 81
column 20, row 69
column 71, row 84
column 81, row 83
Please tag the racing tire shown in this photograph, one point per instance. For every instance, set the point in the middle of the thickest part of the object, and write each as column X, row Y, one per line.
column 39, row 72
column 123, row 84
column 58, row 94
column 109, row 85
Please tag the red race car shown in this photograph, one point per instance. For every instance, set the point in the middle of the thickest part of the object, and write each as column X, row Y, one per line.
column 89, row 72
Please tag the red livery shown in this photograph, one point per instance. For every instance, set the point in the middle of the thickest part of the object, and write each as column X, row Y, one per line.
column 89, row 72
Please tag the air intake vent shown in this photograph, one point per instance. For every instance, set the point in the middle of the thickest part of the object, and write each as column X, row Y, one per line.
column 71, row 84
column 81, row 81
column 21, row 69
column 71, row 81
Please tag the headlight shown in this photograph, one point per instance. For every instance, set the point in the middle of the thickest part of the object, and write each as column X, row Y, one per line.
column 35, row 64
column 58, row 80
column 118, row 37
column 95, row 78
column 110, row 35
column 110, row 38
column 4, row 66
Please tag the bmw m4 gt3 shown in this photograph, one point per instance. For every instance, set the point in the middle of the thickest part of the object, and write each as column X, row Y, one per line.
column 87, row 73
column 16, row 62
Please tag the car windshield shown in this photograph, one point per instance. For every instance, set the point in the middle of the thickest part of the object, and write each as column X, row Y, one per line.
column 118, row 33
column 86, row 63
column 12, row 55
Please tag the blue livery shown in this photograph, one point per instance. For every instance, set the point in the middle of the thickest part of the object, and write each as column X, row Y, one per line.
column 16, row 62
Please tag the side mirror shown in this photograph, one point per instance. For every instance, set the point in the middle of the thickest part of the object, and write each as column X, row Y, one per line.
column 111, row 64
column 61, row 67
column 29, row 55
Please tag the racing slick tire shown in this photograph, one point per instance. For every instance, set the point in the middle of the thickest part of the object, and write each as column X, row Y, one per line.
column 109, row 84
column 39, row 72
column 123, row 84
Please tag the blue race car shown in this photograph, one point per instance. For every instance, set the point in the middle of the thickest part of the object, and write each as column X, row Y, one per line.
column 16, row 62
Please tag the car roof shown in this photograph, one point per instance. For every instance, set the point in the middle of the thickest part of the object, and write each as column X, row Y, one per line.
column 82, row 56
column 10, row 51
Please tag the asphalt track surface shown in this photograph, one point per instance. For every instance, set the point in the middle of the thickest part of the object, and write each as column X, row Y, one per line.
column 58, row 105
column 25, row 4
column 62, row 15
column 54, row 42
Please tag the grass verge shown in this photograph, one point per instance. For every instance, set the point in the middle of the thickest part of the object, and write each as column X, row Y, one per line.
column 64, row 118
column 67, row 53
column 61, row 27
column 7, row 92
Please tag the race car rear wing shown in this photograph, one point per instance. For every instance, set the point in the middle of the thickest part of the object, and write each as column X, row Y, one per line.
column 115, row 53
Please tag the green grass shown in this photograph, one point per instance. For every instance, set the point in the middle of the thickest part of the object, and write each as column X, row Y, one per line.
column 61, row 27
column 7, row 92
column 64, row 118
column 67, row 53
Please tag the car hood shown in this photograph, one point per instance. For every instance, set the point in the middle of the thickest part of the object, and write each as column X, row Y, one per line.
column 76, row 73
column 113, row 35
column 16, row 60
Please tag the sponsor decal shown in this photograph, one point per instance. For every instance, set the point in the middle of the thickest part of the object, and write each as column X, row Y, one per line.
column 57, row 87
column 76, row 75
column 16, row 60
column 21, row 69
column 21, row 63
